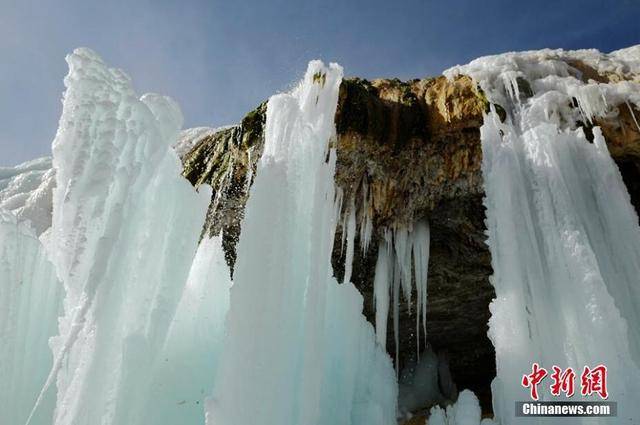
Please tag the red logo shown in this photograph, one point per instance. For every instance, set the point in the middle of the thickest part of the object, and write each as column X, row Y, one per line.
column 532, row 380
column 592, row 381
column 563, row 381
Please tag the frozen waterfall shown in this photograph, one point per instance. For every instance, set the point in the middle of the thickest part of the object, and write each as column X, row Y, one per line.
column 30, row 303
column 135, row 317
column 298, row 350
column 117, row 182
column 114, row 312
column 564, row 238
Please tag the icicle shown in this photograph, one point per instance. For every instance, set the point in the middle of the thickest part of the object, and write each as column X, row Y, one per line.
column 351, row 236
column 396, row 314
column 402, row 245
column 563, row 235
column 381, row 287
column 510, row 84
column 343, row 227
column 366, row 224
column 403, row 258
column 421, row 241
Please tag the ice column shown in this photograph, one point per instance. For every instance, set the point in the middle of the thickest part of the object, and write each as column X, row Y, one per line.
column 30, row 302
column 186, row 367
column 563, row 236
column 298, row 349
column 124, row 234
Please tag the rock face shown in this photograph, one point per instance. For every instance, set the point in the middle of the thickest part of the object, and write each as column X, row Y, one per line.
column 406, row 151
column 226, row 161
column 416, row 146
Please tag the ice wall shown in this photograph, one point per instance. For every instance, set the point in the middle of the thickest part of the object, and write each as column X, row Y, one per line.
column 142, row 332
column 142, row 314
column 563, row 236
column 187, row 364
column 124, row 233
column 298, row 350
column 30, row 302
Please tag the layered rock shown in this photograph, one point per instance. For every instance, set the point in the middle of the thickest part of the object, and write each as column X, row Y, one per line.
column 408, row 151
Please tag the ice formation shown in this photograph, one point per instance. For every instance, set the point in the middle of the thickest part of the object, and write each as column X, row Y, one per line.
column 187, row 365
column 30, row 303
column 424, row 382
column 353, row 223
column 366, row 222
column 298, row 349
column 26, row 191
column 563, row 236
column 117, row 182
column 349, row 229
column 188, row 138
column 466, row 411
column 147, row 326
column 403, row 261
column 135, row 317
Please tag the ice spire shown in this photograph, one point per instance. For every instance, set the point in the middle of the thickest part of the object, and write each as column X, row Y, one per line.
column 298, row 346
column 118, row 182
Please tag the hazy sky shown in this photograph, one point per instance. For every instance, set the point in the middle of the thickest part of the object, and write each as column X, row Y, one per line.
column 219, row 59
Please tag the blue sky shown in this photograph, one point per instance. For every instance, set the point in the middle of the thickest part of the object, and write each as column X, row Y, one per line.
column 219, row 59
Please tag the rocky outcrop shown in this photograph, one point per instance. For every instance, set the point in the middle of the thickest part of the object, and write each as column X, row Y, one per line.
column 416, row 147
column 407, row 151
column 226, row 161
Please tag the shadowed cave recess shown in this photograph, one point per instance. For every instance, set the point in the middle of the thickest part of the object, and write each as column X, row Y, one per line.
column 406, row 152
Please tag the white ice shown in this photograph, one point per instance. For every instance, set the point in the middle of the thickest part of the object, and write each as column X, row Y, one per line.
column 30, row 303
column 298, row 349
column 190, row 137
column 26, row 191
column 403, row 261
column 186, row 367
column 123, row 237
column 142, row 335
column 563, row 236
column 466, row 411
